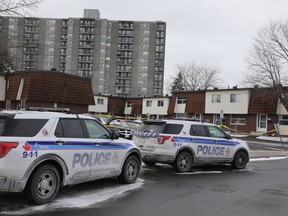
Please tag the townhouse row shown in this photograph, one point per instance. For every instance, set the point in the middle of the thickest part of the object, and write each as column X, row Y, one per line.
column 240, row 109
column 243, row 110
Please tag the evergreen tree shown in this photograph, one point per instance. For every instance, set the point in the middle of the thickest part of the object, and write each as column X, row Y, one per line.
column 178, row 84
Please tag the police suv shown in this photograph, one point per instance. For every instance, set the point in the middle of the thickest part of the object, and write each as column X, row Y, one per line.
column 43, row 151
column 183, row 143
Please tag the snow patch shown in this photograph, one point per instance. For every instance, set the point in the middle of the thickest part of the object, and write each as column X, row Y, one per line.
column 269, row 158
column 81, row 200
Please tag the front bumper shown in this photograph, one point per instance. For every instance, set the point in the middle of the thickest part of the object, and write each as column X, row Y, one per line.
column 9, row 185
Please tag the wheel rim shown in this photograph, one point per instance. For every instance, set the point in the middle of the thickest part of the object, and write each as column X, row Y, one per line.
column 132, row 170
column 184, row 162
column 46, row 184
column 241, row 161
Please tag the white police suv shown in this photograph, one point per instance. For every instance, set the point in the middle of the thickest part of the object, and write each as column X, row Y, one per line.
column 43, row 151
column 183, row 143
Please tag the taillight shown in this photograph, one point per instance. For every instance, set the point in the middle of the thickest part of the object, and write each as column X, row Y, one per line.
column 162, row 139
column 5, row 147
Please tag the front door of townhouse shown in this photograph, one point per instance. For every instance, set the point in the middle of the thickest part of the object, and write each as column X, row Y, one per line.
column 261, row 123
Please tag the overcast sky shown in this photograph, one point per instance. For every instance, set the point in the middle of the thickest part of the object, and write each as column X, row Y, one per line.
column 214, row 33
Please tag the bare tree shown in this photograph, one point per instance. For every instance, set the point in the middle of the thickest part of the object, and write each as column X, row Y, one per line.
column 196, row 77
column 268, row 59
column 18, row 7
column 13, row 9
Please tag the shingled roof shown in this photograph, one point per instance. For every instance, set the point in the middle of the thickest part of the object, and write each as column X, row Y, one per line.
column 49, row 87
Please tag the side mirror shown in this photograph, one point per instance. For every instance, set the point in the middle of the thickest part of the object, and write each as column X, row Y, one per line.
column 227, row 136
column 114, row 135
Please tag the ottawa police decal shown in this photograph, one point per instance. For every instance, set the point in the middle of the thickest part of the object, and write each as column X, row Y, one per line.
column 84, row 160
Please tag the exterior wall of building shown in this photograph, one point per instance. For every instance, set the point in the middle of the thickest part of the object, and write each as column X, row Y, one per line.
column 155, row 106
column 123, row 58
column 2, row 88
column 228, row 101
column 48, row 89
column 116, row 105
column 101, row 105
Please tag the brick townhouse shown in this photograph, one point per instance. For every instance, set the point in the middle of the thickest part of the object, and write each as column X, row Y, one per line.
column 48, row 89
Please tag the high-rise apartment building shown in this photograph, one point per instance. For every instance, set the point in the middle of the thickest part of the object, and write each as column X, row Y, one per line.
column 123, row 58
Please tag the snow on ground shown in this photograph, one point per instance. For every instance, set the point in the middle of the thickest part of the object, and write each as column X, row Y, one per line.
column 268, row 158
column 97, row 196
column 80, row 200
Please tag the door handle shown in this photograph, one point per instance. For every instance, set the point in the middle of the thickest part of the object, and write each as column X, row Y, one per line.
column 60, row 142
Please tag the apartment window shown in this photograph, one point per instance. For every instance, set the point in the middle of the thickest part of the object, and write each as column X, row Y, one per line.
column 283, row 120
column 100, row 101
column 148, row 103
column 160, row 103
column 181, row 100
column 238, row 120
column 234, row 98
column 216, row 98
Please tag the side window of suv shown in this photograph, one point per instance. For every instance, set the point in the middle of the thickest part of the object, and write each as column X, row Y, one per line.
column 172, row 128
column 198, row 130
column 23, row 127
column 216, row 132
column 95, row 130
column 69, row 128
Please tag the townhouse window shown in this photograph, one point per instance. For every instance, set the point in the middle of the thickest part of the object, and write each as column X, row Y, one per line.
column 237, row 120
column 216, row 98
column 100, row 101
column 198, row 116
column 129, row 104
column 160, row 103
column 217, row 119
column 148, row 103
column 181, row 100
column 234, row 98
column 283, row 119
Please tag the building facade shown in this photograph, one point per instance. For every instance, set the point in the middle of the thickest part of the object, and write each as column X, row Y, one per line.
column 46, row 90
column 242, row 110
column 123, row 58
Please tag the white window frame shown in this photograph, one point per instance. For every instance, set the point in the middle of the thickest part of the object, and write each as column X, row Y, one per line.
column 160, row 103
column 148, row 103
column 237, row 120
column 181, row 100
column 129, row 104
column 100, row 101
column 216, row 98
column 234, row 98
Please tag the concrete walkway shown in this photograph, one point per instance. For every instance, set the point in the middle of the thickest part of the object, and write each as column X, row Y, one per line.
column 268, row 141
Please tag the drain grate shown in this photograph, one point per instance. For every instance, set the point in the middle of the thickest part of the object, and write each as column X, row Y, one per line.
column 275, row 192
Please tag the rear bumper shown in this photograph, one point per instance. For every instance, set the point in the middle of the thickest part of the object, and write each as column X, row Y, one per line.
column 9, row 185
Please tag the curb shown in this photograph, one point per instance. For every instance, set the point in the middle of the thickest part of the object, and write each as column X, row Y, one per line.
column 267, row 154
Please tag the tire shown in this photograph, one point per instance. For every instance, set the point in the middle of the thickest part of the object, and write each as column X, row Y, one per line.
column 149, row 163
column 43, row 185
column 130, row 170
column 240, row 160
column 183, row 162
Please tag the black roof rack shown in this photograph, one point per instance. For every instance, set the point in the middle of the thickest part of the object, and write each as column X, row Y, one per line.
column 188, row 119
column 50, row 109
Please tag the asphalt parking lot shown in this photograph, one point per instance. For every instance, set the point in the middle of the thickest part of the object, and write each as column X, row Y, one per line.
column 264, row 148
